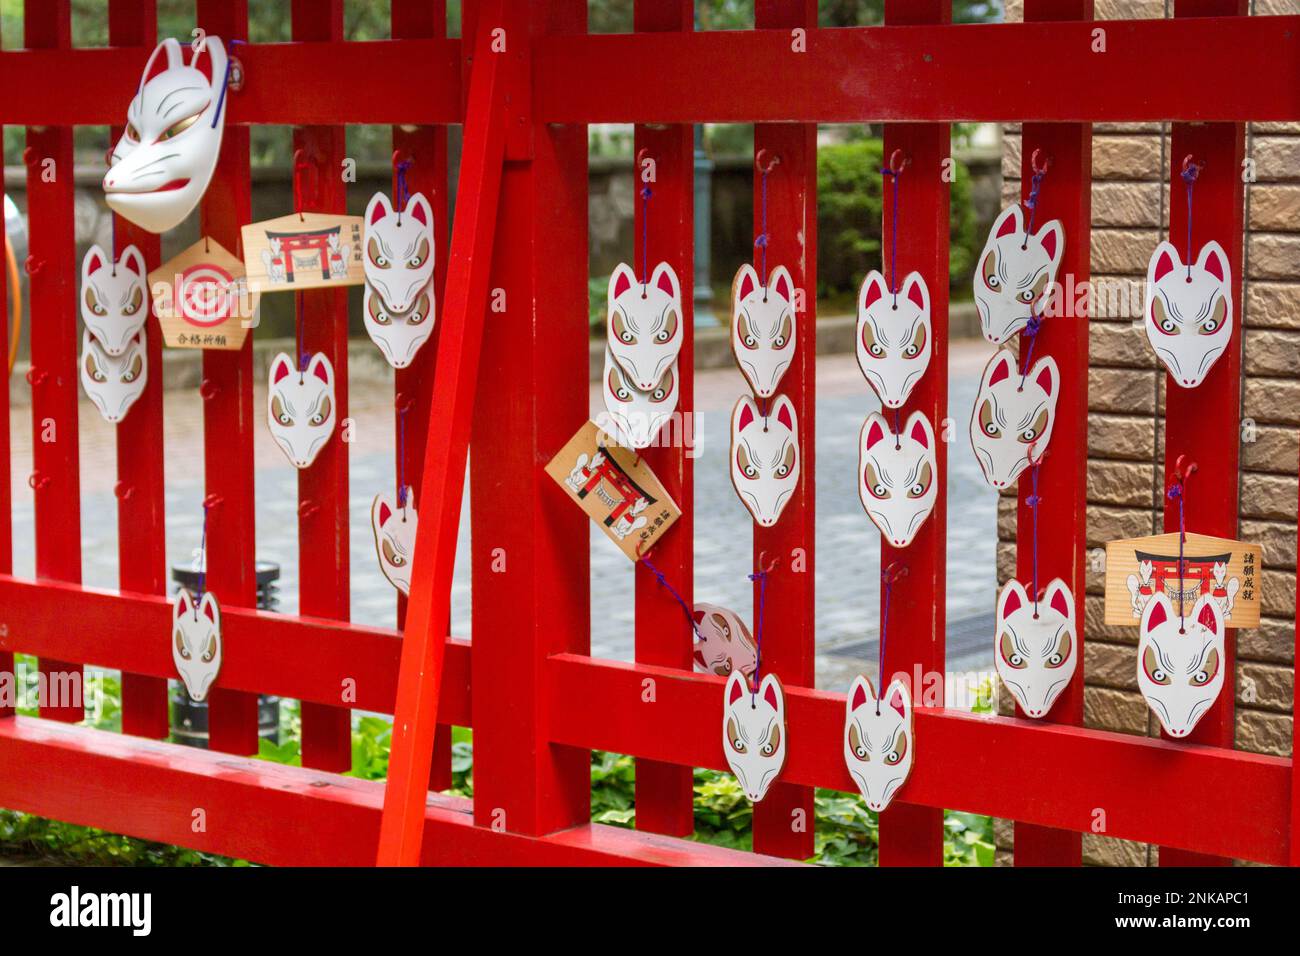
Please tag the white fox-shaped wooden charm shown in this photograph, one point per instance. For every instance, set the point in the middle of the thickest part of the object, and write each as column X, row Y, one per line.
column 1037, row 650
column 394, row 527
column 114, row 303
column 300, row 407
column 896, row 476
column 196, row 642
column 893, row 336
column 1013, row 416
column 765, row 457
column 1015, row 273
column 878, row 748
column 1188, row 315
column 753, row 733
column 763, row 327
column 1180, row 661
column 644, row 323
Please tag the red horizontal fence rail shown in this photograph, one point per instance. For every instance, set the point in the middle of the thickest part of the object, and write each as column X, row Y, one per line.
column 537, row 700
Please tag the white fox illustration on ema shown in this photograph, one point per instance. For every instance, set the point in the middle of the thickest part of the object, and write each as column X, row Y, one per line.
column 1180, row 662
column 1188, row 316
column 1013, row 416
column 114, row 300
column 114, row 382
column 878, row 749
column 394, row 526
column 893, row 342
column 896, row 476
column 399, row 249
column 765, row 457
column 1015, row 273
column 196, row 642
column 300, row 407
column 753, row 733
column 163, row 162
column 273, row 260
column 763, row 327
column 1037, row 650
column 644, row 323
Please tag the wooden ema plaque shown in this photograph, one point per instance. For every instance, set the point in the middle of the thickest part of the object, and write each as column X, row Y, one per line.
column 309, row 250
column 202, row 298
column 616, row 488
column 1138, row 568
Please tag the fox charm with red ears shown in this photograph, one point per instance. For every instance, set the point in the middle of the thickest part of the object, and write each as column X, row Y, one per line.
column 765, row 457
column 763, row 327
column 1189, row 311
column 1015, row 273
column 644, row 324
column 878, row 740
column 896, row 476
column 1037, row 649
column 753, row 733
column 300, row 407
column 724, row 644
column 114, row 303
column 1180, row 662
column 394, row 525
column 1013, row 416
column 893, row 336
column 196, row 642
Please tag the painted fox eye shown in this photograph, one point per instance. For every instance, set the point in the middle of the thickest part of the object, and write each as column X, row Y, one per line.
column 1155, row 673
column 210, row 651
column 773, row 743
column 1216, row 319
column 747, row 337
column 991, row 272
column 1036, row 429
column 133, row 305
column 92, row 303
column 1161, row 318
column 180, row 647
column 278, row 412
column 323, row 413
column 743, row 463
column 873, row 482
column 177, row 128
column 376, row 255
column 392, row 556
column 621, row 331
column 783, row 336
column 421, row 254
column 132, row 134
column 787, row 464
column 733, row 737
column 378, row 314
column 1026, row 296
column 918, row 342
column 669, row 331
column 855, row 743
column 1007, row 648
column 420, row 312
column 922, row 484
column 987, row 425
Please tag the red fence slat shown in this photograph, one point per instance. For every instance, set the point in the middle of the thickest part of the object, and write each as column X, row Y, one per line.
column 52, row 292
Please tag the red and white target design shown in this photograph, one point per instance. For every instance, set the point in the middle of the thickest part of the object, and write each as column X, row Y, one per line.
column 206, row 295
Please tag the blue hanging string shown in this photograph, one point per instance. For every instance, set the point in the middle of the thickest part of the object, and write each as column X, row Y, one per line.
column 1031, row 332
column 1035, row 183
column 303, row 357
column 893, row 239
column 1033, row 501
column 887, row 577
column 761, row 578
column 403, row 190
column 1178, row 492
column 203, row 559
column 1190, row 172
column 663, row 581
column 761, row 242
column 401, row 454
column 225, row 82
column 645, row 239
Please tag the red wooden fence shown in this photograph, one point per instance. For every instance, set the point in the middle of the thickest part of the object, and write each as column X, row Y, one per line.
column 540, row 702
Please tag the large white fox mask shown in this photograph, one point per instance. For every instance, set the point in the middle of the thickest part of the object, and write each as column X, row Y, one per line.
column 724, row 643
column 394, row 529
column 1189, row 310
column 1015, row 273
column 893, row 337
column 114, row 382
column 162, row 165
column 763, row 327
column 1037, row 649
column 897, row 476
column 399, row 249
column 644, row 323
column 1180, row 665
column 114, row 299
column 196, row 642
column 300, row 407
column 399, row 335
column 878, row 740
column 1009, row 422
column 635, row 417
column 753, row 733
column 765, row 457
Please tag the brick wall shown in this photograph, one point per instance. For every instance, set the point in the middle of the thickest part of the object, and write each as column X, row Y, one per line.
column 1130, row 202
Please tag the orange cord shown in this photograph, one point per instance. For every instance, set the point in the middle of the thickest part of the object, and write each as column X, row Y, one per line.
column 16, row 304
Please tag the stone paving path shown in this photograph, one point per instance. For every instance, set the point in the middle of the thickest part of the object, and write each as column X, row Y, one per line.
column 847, row 565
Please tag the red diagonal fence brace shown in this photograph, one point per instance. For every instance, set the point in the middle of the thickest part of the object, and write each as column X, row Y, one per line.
column 508, row 378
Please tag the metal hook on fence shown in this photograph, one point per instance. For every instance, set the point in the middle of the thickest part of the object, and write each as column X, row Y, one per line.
column 36, row 480
column 213, row 500
column 208, row 390
column 898, row 161
column 1034, row 162
column 893, row 572
column 301, row 164
column 1184, row 469
column 765, row 162
column 33, row 264
column 307, row 509
column 123, row 491
column 641, row 545
column 1191, row 168
column 766, row 566
column 36, row 376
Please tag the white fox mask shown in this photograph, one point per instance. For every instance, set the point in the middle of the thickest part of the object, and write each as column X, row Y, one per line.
column 399, row 335
column 893, row 338
column 399, row 250
column 644, row 323
column 114, row 382
column 753, row 733
column 765, row 457
column 896, row 476
column 162, row 165
column 725, row 644
column 637, row 416
column 1180, row 674
column 394, row 529
column 114, row 300
column 1037, row 649
column 1189, row 311
column 196, row 642
column 1015, row 273
column 1009, row 422
column 763, row 327
column 300, row 407
column 878, row 740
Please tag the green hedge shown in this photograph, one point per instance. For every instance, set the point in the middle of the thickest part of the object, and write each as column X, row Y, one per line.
column 849, row 209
